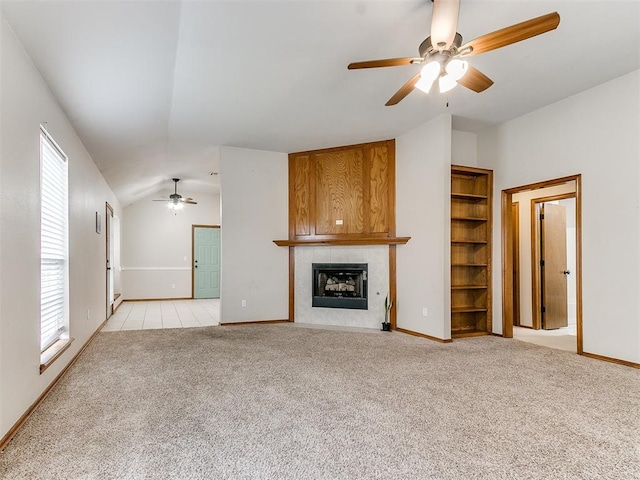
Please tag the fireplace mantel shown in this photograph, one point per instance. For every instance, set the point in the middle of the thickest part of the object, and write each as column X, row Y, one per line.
column 343, row 242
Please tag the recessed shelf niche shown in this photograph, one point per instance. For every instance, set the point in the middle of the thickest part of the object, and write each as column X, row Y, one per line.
column 471, row 190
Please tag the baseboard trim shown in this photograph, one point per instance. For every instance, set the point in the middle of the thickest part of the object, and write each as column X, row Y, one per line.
column 13, row 430
column 423, row 335
column 254, row 322
column 611, row 360
column 156, row 299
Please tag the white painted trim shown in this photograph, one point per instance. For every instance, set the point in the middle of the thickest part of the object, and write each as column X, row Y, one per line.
column 155, row 269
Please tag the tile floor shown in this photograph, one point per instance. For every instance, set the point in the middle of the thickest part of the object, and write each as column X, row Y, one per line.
column 561, row 338
column 164, row 314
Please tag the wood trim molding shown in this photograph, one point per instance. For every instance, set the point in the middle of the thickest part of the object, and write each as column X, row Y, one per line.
column 54, row 352
column 611, row 360
column 515, row 241
column 343, row 242
column 543, row 184
column 254, row 322
column 507, row 255
column 536, row 314
column 391, row 164
column 578, row 193
column 16, row 426
column 423, row 335
column 507, row 265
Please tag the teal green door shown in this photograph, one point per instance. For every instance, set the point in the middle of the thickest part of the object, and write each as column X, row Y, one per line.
column 206, row 262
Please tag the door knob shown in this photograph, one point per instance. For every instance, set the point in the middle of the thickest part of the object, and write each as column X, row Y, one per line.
column 567, row 272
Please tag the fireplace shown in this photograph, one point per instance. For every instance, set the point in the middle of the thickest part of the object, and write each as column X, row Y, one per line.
column 340, row 285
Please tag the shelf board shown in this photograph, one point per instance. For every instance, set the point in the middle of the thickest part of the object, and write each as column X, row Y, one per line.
column 468, row 333
column 477, row 242
column 343, row 241
column 468, row 196
column 469, row 265
column 470, row 219
column 468, row 309
column 469, row 287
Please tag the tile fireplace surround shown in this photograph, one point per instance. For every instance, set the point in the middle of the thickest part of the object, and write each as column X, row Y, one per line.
column 377, row 258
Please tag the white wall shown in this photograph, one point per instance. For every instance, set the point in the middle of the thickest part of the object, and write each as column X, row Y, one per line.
column 524, row 208
column 254, row 195
column 594, row 133
column 156, row 245
column 423, row 186
column 26, row 103
column 464, row 148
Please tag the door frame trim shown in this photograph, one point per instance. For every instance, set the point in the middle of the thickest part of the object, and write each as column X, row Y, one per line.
column 193, row 241
column 508, row 254
column 516, row 263
column 536, row 314
column 108, row 209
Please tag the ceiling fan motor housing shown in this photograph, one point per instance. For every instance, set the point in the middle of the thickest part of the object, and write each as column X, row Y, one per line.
column 426, row 47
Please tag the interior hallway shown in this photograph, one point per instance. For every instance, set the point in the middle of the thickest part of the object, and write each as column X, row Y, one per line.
column 561, row 338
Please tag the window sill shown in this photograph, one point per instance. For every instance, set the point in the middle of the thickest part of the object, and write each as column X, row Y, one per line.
column 52, row 353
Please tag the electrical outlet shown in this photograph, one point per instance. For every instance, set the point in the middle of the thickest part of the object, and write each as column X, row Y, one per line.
column 339, row 222
column 88, row 314
column 244, row 302
column 173, row 285
column 424, row 311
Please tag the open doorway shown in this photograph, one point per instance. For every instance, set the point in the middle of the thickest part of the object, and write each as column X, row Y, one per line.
column 541, row 263
column 112, row 254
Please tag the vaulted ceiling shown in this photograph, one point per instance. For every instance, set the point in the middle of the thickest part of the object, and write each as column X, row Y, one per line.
column 153, row 88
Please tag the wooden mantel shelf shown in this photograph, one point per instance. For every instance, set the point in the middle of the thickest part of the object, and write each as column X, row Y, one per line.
column 342, row 242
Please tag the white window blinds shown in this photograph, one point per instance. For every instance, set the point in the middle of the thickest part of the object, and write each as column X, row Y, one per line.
column 54, row 251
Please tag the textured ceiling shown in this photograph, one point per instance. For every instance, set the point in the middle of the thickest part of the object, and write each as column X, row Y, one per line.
column 153, row 88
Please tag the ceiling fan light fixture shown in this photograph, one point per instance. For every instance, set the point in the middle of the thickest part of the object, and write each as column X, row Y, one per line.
column 457, row 68
column 176, row 205
column 446, row 83
column 430, row 71
column 424, row 85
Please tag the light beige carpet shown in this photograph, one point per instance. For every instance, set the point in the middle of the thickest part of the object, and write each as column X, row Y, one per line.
column 277, row 402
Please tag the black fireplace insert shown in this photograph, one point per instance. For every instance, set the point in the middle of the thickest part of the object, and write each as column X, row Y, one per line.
column 340, row 285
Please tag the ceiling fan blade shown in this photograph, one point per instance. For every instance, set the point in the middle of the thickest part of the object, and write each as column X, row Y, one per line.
column 513, row 34
column 389, row 62
column 404, row 91
column 161, row 201
column 189, row 201
column 444, row 23
column 475, row 80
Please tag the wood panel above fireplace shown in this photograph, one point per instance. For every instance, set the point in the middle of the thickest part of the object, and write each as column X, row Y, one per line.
column 343, row 194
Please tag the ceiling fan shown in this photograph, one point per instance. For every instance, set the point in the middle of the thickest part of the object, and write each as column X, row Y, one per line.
column 443, row 52
column 177, row 201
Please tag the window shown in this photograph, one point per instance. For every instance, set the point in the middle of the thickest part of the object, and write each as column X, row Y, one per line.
column 54, row 250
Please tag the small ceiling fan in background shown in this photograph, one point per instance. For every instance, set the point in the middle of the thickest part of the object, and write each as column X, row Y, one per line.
column 443, row 53
column 177, row 201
